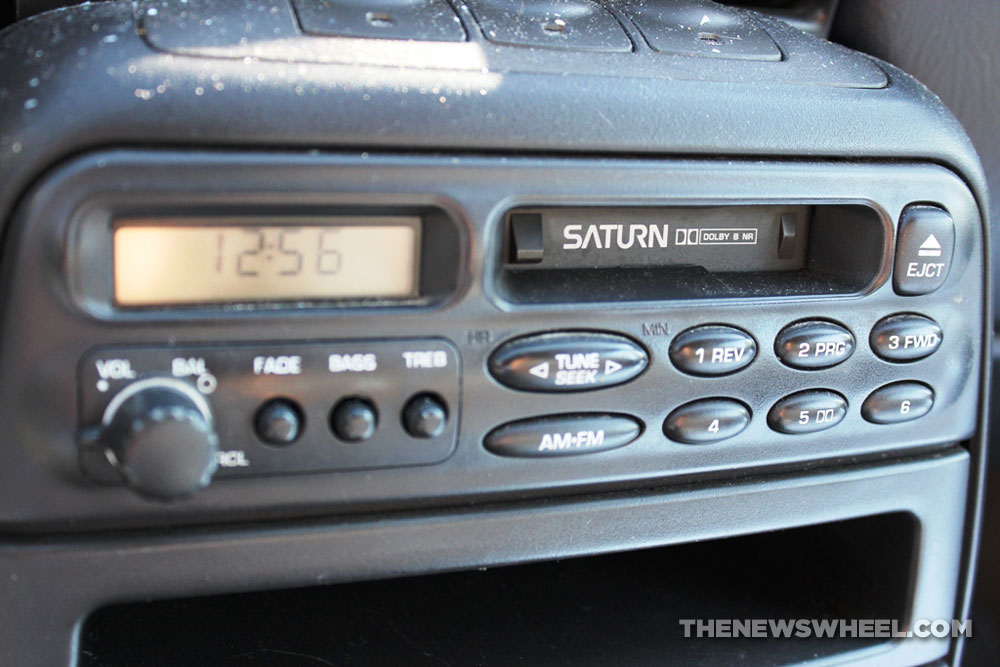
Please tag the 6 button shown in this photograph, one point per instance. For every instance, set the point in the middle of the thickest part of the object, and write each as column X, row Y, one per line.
column 898, row 402
column 808, row 412
column 713, row 350
column 814, row 344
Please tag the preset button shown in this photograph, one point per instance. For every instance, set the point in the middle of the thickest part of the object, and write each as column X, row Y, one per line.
column 905, row 337
column 567, row 361
column 814, row 344
column 898, row 402
column 713, row 350
column 808, row 411
column 707, row 420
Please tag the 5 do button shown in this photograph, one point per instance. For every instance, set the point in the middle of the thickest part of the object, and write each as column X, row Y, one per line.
column 808, row 412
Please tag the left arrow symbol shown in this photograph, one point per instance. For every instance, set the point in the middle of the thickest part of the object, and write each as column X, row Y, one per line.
column 541, row 370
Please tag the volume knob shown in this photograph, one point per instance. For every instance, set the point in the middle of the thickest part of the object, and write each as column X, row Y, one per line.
column 159, row 433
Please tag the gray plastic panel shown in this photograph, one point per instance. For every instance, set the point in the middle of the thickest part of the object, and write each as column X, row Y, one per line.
column 575, row 25
column 391, row 19
column 557, row 37
column 51, row 64
column 48, row 587
column 46, row 334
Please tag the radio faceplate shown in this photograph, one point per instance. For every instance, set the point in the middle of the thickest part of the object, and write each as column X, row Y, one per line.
column 53, row 328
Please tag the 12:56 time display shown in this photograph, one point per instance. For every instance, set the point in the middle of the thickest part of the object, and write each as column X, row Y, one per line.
column 166, row 262
column 282, row 251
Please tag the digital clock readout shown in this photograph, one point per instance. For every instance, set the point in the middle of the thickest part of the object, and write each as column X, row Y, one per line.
column 158, row 263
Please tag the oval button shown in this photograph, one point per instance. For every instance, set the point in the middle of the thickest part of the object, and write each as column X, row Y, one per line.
column 707, row 420
column 713, row 350
column 814, row 344
column 898, row 402
column 905, row 337
column 563, row 435
column 567, row 361
column 808, row 411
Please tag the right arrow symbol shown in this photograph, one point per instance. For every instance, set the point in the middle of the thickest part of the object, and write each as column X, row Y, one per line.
column 541, row 370
column 611, row 366
column 930, row 247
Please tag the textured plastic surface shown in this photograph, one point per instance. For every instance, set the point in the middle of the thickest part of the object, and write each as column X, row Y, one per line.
column 59, row 581
column 576, row 25
column 701, row 28
column 432, row 20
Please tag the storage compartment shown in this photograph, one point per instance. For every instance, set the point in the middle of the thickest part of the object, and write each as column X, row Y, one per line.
column 612, row 609
column 594, row 254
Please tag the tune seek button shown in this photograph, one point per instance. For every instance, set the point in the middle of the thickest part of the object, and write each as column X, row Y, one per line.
column 567, row 361
column 808, row 412
column 905, row 337
column 814, row 344
column 898, row 402
column 563, row 435
column 713, row 350
column 707, row 420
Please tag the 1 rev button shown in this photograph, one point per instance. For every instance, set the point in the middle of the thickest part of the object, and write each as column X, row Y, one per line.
column 713, row 350
column 563, row 435
column 567, row 361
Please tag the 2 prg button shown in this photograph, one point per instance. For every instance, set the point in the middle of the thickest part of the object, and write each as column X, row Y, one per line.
column 814, row 344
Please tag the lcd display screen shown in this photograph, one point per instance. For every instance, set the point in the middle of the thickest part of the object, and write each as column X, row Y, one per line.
column 181, row 262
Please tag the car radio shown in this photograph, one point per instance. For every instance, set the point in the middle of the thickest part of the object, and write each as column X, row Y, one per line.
column 372, row 333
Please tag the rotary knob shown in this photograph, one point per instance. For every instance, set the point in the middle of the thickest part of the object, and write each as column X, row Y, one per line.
column 159, row 434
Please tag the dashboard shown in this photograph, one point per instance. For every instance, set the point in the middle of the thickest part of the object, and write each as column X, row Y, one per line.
column 325, row 294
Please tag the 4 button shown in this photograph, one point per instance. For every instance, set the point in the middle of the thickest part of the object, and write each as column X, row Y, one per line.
column 707, row 420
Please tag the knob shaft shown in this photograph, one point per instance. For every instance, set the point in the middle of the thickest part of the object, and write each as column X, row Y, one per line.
column 158, row 433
